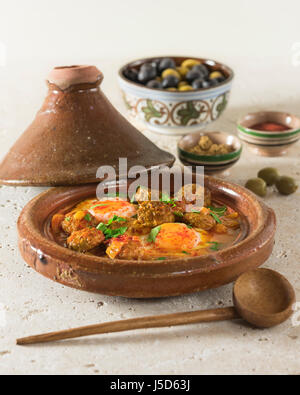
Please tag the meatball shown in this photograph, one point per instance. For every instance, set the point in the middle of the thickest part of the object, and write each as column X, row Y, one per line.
column 85, row 239
column 127, row 248
column 78, row 220
column 178, row 209
column 189, row 193
column 199, row 220
column 143, row 194
column 230, row 221
column 154, row 213
column 56, row 222
column 134, row 227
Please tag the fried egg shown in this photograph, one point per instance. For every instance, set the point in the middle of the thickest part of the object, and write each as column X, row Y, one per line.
column 177, row 237
column 105, row 210
column 173, row 239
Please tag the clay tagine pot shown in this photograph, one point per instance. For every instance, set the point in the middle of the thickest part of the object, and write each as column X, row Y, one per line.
column 76, row 131
column 145, row 279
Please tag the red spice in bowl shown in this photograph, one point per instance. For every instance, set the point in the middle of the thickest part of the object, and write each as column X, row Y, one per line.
column 270, row 127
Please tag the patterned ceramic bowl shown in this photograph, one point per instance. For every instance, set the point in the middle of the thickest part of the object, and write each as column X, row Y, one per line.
column 213, row 164
column 176, row 113
column 269, row 143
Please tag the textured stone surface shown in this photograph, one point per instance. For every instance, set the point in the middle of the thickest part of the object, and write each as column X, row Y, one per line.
column 34, row 304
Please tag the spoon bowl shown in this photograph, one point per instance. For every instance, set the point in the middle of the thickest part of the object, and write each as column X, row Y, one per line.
column 263, row 297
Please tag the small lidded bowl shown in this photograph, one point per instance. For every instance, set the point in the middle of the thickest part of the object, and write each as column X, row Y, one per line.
column 172, row 111
column 269, row 133
column 213, row 164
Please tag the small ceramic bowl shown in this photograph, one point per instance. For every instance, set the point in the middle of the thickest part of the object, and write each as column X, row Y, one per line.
column 176, row 113
column 269, row 143
column 213, row 164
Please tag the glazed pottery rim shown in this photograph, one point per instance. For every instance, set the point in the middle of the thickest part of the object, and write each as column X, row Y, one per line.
column 268, row 135
column 139, row 62
column 268, row 142
column 211, row 158
column 40, row 242
column 264, row 133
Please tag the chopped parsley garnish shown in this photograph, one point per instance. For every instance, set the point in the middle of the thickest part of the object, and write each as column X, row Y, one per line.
column 110, row 233
column 88, row 217
column 133, row 200
column 184, row 252
column 215, row 245
column 165, row 198
column 161, row 259
column 153, row 234
column 101, row 227
column 68, row 219
column 178, row 213
column 116, row 219
column 216, row 218
column 218, row 210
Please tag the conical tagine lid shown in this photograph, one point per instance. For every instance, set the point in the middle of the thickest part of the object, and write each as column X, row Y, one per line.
column 76, row 131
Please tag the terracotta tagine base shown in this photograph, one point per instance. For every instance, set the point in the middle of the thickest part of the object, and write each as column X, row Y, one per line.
column 145, row 279
column 76, row 131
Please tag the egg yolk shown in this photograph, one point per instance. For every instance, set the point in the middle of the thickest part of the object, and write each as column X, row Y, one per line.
column 177, row 237
column 105, row 210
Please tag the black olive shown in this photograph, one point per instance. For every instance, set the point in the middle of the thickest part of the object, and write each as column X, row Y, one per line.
column 206, row 84
column 170, row 81
column 155, row 63
column 154, row 84
column 214, row 82
column 198, row 83
column 193, row 75
column 147, row 66
column 147, row 73
column 202, row 69
column 131, row 74
column 166, row 63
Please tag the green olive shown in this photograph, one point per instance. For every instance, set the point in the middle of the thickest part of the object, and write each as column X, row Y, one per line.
column 258, row 186
column 269, row 174
column 215, row 74
column 186, row 88
column 167, row 72
column 286, row 185
column 190, row 63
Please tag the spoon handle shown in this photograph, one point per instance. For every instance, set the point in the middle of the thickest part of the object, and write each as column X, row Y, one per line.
column 157, row 321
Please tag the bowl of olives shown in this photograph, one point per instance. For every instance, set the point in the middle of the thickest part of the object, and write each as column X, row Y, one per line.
column 175, row 95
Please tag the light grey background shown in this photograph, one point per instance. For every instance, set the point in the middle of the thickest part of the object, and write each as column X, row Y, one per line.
column 260, row 40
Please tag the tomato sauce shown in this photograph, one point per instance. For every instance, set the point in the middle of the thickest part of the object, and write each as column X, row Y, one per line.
column 270, row 127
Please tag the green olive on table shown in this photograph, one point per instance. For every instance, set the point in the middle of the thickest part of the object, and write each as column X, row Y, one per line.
column 286, row 185
column 269, row 174
column 258, row 186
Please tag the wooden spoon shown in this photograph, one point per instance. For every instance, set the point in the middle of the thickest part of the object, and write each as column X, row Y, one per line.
column 263, row 297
